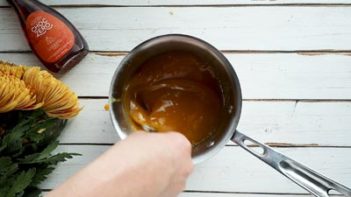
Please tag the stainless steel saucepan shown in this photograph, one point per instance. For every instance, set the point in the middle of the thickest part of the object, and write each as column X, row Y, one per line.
column 300, row 174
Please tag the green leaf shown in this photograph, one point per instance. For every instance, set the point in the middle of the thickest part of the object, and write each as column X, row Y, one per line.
column 60, row 157
column 32, row 192
column 53, row 160
column 7, row 167
column 37, row 131
column 41, row 175
column 21, row 182
column 47, row 151
column 53, row 131
column 2, row 146
column 4, row 190
column 35, row 137
column 5, row 163
column 33, row 158
column 12, row 141
column 26, row 149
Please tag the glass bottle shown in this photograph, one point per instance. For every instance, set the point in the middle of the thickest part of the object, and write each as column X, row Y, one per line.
column 54, row 40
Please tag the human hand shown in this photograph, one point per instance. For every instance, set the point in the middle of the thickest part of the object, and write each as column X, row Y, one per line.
column 145, row 164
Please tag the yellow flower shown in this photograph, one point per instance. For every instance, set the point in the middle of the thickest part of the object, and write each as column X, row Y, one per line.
column 7, row 69
column 14, row 95
column 28, row 88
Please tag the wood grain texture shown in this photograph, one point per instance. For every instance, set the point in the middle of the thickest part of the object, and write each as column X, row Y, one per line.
column 232, row 169
column 93, row 125
column 228, row 28
column 184, row 2
column 269, row 47
column 275, row 123
column 262, row 76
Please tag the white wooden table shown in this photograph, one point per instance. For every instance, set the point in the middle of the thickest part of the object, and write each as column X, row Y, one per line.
column 293, row 59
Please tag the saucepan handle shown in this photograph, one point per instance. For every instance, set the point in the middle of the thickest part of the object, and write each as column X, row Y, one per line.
column 310, row 180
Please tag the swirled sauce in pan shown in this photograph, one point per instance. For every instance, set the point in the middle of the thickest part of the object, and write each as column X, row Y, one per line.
column 175, row 91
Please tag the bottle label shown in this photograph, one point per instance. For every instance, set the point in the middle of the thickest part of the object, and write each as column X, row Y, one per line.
column 49, row 36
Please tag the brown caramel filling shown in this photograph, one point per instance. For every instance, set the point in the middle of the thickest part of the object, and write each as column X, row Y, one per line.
column 175, row 91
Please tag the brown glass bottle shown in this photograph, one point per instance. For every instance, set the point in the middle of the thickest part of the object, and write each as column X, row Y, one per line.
column 54, row 40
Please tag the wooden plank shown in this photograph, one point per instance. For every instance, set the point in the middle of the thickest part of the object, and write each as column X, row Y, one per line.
column 283, row 28
column 93, row 125
column 227, row 173
column 303, row 123
column 275, row 123
column 262, row 76
column 184, row 2
column 249, row 174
